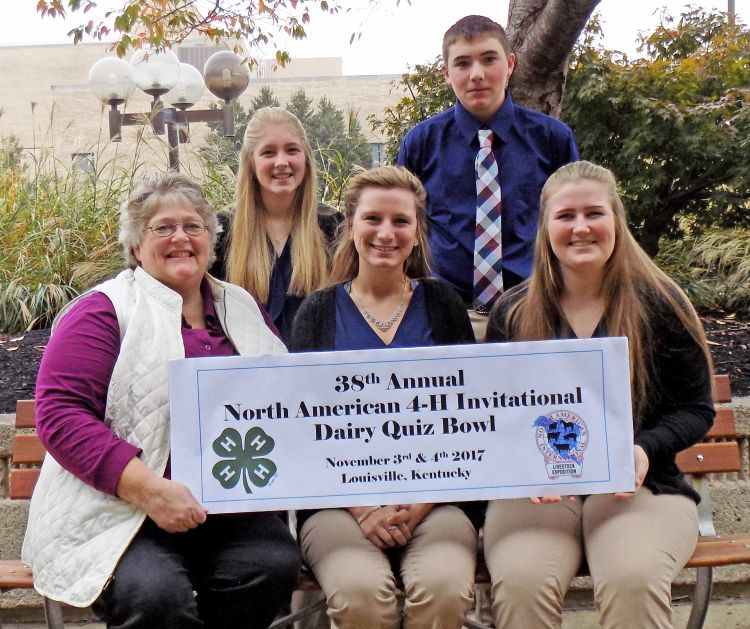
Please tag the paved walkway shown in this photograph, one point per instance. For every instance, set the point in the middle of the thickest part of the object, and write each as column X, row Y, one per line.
column 722, row 614
column 727, row 614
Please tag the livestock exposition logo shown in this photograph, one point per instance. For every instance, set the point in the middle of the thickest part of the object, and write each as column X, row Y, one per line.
column 562, row 437
column 244, row 460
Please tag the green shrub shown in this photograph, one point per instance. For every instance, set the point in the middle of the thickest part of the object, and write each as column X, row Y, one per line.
column 58, row 227
column 713, row 269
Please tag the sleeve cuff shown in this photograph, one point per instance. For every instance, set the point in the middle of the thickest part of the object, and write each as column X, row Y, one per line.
column 108, row 477
column 642, row 441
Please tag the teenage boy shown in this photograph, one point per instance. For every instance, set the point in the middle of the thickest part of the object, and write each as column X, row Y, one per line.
column 473, row 208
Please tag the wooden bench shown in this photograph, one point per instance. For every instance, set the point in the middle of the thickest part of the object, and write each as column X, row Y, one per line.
column 719, row 453
column 27, row 457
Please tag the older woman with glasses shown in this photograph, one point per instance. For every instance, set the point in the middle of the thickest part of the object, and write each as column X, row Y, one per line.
column 107, row 525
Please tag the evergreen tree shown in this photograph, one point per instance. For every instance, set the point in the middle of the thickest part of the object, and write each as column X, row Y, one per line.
column 221, row 149
column 265, row 98
column 326, row 126
column 355, row 145
column 302, row 107
column 341, row 148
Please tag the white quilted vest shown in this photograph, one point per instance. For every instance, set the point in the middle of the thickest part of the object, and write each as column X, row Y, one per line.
column 77, row 534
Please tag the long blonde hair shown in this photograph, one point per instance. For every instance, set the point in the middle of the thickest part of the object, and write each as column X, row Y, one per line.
column 633, row 287
column 345, row 264
column 249, row 259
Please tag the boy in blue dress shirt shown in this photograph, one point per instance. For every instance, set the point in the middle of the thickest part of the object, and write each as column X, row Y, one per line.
column 441, row 151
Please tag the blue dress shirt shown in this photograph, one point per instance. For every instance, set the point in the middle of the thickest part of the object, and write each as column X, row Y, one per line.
column 529, row 147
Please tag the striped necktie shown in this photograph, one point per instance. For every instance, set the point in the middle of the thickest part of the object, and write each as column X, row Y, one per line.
column 488, row 278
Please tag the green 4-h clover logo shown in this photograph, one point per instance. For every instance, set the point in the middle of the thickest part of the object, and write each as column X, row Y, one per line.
column 243, row 461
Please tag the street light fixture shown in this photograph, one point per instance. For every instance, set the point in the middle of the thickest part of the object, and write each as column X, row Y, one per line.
column 165, row 79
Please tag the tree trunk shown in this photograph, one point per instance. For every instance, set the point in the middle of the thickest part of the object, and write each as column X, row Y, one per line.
column 653, row 227
column 542, row 34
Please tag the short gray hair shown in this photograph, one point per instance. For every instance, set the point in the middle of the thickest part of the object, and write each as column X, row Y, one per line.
column 147, row 198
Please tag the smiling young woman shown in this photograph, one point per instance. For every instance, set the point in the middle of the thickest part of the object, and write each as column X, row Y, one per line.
column 380, row 297
column 591, row 278
column 277, row 245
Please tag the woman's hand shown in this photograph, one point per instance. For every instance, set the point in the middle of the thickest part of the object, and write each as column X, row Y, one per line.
column 168, row 503
column 379, row 531
column 410, row 515
column 543, row 500
column 171, row 505
column 640, row 459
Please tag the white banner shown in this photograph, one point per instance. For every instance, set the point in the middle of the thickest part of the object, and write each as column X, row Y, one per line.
column 388, row 426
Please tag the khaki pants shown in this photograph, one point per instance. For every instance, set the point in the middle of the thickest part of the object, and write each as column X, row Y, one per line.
column 634, row 548
column 437, row 569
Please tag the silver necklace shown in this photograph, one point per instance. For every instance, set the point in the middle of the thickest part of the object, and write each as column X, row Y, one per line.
column 386, row 325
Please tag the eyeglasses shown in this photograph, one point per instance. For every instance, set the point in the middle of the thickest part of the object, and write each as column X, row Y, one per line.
column 168, row 229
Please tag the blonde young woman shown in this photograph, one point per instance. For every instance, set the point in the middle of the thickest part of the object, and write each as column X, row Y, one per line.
column 591, row 278
column 380, row 297
column 276, row 248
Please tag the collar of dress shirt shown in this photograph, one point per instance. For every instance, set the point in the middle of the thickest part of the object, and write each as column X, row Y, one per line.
column 500, row 123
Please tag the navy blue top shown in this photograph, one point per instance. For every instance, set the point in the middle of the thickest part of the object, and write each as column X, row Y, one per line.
column 529, row 147
column 282, row 307
column 354, row 332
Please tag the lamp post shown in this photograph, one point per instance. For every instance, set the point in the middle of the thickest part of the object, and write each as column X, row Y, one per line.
column 166, row 80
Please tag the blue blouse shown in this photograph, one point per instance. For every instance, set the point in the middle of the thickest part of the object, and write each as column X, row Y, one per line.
column 354, row 332
column 281, row 306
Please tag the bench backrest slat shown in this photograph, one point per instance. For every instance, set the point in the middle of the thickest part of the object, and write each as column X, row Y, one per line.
column 27, row 449
column 705, row 458
column 724, row 424
column 721, row 389
column 14, row 574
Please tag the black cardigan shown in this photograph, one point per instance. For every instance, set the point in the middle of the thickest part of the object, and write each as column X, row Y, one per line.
column 314, row 328
column 679, row 410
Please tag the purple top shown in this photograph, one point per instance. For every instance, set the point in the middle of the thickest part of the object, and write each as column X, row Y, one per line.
column 73, row 380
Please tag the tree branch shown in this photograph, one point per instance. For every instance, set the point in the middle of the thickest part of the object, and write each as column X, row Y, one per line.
column 547, row 44
column 543, row 33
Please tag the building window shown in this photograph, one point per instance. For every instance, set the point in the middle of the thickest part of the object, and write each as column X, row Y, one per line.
column 83, row 163
column 197, row 56
column 377, row 153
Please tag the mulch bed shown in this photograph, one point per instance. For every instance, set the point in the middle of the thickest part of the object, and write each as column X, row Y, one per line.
column 19, row 361
column 729, row 340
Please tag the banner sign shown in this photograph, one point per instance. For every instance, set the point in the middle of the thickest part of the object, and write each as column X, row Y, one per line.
column 388, row 426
